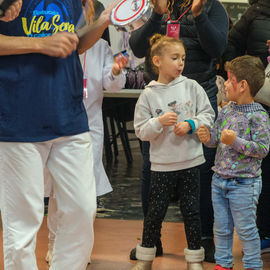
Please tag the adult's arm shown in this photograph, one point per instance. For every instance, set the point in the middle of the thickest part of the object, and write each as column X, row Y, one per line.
column 213, row 30
column 90, row 34
column 237, row 40
column 58, row 45
column 139, row 39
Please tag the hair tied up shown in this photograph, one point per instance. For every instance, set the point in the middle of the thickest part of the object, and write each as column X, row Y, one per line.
column 155, row 38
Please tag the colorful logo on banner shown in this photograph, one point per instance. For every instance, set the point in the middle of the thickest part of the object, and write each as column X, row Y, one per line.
column 46, row 17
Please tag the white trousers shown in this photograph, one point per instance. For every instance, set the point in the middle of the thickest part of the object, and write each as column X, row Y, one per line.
column 69, row 160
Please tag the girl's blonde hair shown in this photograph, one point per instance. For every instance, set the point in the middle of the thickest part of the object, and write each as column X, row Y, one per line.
column 158, row 42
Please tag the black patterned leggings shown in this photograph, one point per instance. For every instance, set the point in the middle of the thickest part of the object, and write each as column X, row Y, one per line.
column 163, row 186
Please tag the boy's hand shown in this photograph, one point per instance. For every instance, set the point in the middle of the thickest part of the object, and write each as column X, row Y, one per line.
column 227, row 136
column 182, row 128
column 13, row 11
column 120, row 61
column 168, row 119
column 203, row 134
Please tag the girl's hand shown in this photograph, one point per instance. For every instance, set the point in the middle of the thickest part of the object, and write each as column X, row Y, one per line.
column 203, row 134
column 120, row 61
column 197, row 6
column 227, row 136
column 182, row 128
column 268, row 43
column 168, row 119
column 13, row 11
column 159, row 6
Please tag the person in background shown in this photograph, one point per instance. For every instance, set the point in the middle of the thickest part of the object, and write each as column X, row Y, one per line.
column 168, row 113
column 203, row 27
column 12, row 12
column 242, row 135
column 221, row 95
column 43, row 122
column 250, row 36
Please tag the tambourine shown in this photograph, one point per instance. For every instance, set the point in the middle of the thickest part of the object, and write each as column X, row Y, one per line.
column 129, row 15
column 4, row 5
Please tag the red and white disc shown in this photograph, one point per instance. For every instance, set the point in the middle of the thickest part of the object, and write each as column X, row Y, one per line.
column 128, row 11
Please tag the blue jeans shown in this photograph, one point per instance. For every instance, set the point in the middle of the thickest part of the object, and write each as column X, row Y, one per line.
column 234, row 203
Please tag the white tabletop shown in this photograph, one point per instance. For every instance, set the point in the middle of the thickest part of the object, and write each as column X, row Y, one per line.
column 123, row 93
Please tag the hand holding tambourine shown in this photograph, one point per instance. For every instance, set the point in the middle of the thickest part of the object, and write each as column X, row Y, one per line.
column 129, row 15
column 159, row 5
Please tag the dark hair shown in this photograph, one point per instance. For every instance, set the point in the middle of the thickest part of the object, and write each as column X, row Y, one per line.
column 249, row 68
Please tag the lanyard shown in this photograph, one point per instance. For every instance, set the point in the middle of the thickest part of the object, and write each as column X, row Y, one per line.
column 175, row 21
column 84, row 76
column 85, row 94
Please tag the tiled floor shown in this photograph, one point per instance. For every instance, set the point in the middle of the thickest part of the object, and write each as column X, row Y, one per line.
column 117, row 231
column 115, row 238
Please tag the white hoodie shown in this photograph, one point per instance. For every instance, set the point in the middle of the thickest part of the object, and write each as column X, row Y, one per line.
column 185, row 97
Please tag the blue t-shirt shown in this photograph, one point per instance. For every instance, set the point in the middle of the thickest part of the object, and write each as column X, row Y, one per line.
column 41, row 97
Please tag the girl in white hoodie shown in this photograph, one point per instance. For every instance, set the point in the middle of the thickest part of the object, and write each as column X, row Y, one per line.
column 168, row 114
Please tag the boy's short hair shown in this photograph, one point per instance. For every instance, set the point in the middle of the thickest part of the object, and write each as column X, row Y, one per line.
column 249, row 68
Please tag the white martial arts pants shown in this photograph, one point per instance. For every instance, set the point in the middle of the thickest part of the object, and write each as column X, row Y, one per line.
column 69, row 160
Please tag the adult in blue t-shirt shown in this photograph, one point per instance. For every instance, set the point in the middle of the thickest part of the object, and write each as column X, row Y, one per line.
column 43, row 122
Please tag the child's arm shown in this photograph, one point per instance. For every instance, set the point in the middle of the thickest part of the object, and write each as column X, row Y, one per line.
column 146, row 126
column 204, row 134
column 259, row 131
column 210, row 137
column 113, row 77
column 204, row 113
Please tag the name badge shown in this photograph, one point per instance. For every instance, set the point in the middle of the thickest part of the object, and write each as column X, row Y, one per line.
column 85, row 94
column 173, row 30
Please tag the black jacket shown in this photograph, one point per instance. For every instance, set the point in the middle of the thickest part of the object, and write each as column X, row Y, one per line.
column 250, row 33
column 205, row 39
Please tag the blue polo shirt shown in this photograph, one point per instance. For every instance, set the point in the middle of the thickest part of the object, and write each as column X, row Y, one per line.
column 41, row 97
